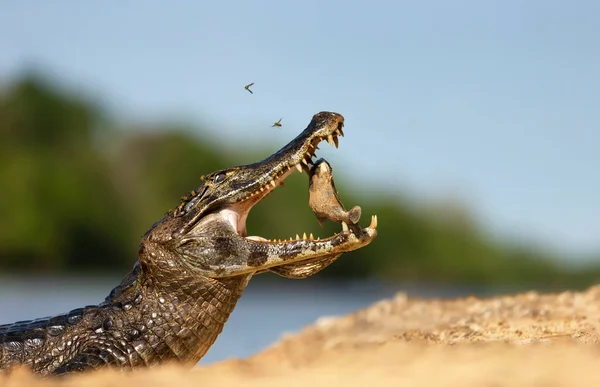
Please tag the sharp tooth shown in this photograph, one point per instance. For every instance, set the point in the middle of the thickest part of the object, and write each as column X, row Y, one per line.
column 310, row 144
column 330, row 140
column 304, row 236
column 273, row 183
column 373, row 222
column 335, row 139
column 344, row 226
column 318, row 238
column 291, row 239
column 340, row 131
column 297, row 237
column 262, row 189
column 304, row 161
column 299, row 168
column 311, row 237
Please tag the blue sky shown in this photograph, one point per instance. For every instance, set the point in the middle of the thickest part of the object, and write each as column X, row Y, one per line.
column 496, row 103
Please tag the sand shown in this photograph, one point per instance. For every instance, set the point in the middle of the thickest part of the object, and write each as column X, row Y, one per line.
column 529, row 339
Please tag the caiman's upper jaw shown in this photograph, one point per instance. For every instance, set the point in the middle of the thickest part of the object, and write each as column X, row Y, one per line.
column 297, row 154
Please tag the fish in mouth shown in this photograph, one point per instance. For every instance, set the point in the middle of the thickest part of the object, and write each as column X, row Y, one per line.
column 324, row 199
column 211, row 233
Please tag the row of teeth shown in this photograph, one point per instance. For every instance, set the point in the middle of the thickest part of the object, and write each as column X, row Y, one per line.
column 307, row 160
column 332, row 139
column 310, row 237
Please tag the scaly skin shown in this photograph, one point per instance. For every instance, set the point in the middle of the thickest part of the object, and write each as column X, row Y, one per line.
column 192, row 268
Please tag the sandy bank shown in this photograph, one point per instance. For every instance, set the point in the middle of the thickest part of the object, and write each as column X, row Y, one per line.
column 527, row 339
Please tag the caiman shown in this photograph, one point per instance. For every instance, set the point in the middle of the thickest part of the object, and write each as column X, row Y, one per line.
column 192, row 268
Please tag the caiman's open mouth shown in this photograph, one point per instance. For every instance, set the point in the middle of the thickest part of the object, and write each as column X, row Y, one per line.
column 295, row 156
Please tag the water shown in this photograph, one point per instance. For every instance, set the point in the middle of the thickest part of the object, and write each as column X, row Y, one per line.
column 267, row 310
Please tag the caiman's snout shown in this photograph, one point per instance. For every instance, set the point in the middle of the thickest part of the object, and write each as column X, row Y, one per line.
column 299, row 152
column 328, row 119
column 328, row 126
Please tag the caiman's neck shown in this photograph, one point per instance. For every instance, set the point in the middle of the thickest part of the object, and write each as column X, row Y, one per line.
column 185, row 311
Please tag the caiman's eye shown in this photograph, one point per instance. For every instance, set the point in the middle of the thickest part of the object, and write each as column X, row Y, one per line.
column 219, row 178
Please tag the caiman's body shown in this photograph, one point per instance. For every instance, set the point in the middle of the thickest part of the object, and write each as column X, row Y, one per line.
column 193, row 267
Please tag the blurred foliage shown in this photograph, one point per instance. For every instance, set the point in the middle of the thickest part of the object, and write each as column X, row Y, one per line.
column 78, row 192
